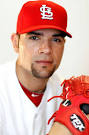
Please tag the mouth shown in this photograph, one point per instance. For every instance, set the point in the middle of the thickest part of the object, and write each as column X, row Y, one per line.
column 44, row 62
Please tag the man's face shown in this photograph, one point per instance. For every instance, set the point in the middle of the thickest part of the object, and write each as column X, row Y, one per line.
column 40, row 52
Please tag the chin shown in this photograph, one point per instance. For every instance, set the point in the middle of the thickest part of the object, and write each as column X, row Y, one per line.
column 43, row 73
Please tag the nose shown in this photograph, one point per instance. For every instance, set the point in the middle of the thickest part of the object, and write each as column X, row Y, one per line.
column 45, row 47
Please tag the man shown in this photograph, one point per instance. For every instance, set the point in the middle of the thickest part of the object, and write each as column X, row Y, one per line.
column 27, row 83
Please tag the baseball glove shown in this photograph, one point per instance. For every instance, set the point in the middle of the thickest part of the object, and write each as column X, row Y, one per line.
column 75, row 106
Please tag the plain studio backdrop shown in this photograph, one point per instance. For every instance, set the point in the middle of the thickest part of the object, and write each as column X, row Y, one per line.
column 75, row 60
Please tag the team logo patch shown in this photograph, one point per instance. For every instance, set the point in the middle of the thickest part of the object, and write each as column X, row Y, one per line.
column 46, row 12
column 77, row 122
column 66, row 103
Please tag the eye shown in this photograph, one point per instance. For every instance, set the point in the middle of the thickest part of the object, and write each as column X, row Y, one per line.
column 34, row 38
column 56, row 40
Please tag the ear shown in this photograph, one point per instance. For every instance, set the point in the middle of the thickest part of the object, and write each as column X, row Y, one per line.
column 15, row 42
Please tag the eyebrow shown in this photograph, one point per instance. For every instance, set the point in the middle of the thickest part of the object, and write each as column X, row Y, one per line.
column 54, row 35
column 59, row 35
column 34, row 33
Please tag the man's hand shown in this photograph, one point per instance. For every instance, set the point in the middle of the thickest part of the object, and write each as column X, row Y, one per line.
column 59, row 129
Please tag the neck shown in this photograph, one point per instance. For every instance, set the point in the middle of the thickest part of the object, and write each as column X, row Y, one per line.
column 30, row 82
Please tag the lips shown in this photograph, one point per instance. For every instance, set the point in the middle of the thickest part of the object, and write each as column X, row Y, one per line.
column 45, row 62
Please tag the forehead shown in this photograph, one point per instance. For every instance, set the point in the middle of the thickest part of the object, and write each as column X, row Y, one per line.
column 50, row 32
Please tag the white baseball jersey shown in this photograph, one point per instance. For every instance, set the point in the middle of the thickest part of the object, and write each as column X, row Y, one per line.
column 18, row 115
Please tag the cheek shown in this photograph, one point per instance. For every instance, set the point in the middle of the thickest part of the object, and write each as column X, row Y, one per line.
column 24, row 55
column 58, row 54
column 31, row 48
column 28, row 52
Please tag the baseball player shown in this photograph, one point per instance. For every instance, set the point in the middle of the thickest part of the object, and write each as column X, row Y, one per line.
column 28, row 82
